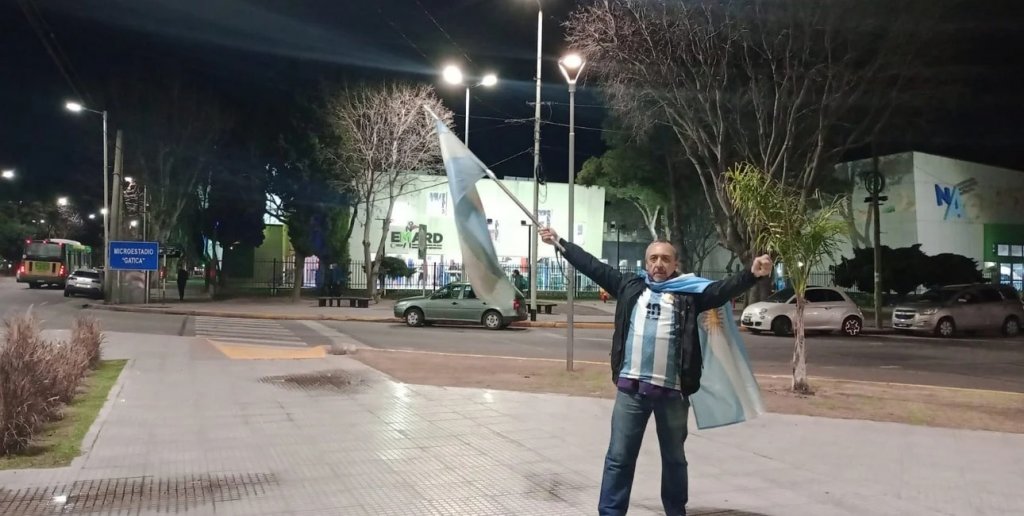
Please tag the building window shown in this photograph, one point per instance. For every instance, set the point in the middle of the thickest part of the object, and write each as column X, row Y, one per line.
column 1017, row 250
column 437, row 204
column 1002, row 250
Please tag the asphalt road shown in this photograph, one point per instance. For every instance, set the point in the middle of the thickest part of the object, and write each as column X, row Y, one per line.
column 984, row 362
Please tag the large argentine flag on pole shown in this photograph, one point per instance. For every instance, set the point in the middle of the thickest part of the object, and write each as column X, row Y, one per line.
column 480, row 262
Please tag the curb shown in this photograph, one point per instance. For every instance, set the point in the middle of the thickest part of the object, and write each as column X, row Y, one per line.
column 337, row 318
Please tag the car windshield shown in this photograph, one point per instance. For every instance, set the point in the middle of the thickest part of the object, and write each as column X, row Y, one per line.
column 87, row 274
column 939, row 295
column 781, row 296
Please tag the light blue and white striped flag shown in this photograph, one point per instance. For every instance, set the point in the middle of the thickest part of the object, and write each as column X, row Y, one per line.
column 728, row 390
column 480, row 262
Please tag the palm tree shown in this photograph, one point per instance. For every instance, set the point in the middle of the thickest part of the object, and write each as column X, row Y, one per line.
column 797, row 229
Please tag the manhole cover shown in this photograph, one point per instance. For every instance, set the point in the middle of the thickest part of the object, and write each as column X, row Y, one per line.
column 134, row 494
column 333, row 381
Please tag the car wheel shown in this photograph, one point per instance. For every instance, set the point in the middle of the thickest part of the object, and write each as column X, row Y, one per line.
column 782, row 326
column 1011, row 326
column 493, row 320
column 414, row 317
column 945, row 328
column 852, row 326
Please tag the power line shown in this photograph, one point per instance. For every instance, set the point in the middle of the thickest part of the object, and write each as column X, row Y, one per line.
column 53, row 48
column 440, row 28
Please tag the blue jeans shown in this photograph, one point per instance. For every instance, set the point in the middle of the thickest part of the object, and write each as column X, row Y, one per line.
column 629, row 420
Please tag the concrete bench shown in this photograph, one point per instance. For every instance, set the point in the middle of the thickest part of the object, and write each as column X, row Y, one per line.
column 360, row 302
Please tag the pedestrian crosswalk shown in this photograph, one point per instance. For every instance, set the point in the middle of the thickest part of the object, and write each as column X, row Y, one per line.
column 245, row 331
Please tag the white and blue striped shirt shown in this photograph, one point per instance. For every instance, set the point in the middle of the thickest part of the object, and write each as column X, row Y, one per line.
column 651, row 354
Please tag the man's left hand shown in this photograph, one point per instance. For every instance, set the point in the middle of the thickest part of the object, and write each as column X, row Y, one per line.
column 762, row 266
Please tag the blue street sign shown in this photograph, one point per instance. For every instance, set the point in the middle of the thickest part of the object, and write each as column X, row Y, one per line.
column 134, row 256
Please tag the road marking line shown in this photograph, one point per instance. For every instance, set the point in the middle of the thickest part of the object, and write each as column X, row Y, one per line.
column 233, row 338
column 245, row 331
column 439, row 353
column 336, row 337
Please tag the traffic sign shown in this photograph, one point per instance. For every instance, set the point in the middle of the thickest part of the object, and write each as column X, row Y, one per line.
column 134, row 256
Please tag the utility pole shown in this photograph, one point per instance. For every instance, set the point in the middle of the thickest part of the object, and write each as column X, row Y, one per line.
column 534, row 258
column 115, row 211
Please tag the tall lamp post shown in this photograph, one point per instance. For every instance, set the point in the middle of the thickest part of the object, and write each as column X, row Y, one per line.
column 453, row 75
column 536, row 168
column 571, row 66
column 75, row 107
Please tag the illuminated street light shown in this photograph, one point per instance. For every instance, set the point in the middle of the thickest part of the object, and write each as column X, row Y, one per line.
column 92, row 216
column 571, row 66
column 7, row 174
column 103, row 211
column 76, row 107
column 133, row 224
column 129, row 179
column 453, row 75
column 62, row 201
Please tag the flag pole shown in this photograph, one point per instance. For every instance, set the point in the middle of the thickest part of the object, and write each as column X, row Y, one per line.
column 490, row 174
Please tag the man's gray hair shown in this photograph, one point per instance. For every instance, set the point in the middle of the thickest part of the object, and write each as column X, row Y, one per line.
column 675, row 253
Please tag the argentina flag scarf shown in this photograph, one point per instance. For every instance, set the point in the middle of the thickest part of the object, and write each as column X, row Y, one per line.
column 728, row 390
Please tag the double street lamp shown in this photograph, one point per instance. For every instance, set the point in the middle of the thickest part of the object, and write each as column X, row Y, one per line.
column 76, row 107
column 453, row 75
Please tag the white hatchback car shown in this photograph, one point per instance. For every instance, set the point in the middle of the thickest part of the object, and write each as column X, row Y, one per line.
column 827, row 309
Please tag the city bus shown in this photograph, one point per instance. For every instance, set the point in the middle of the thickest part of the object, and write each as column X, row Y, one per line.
column 49, row 262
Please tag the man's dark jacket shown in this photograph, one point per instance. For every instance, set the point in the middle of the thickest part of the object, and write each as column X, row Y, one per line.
column 626, row 288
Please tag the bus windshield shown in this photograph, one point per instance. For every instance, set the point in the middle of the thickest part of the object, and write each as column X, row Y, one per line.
column 43, row 251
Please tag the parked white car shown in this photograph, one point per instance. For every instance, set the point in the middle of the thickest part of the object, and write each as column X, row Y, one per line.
column 827, row 309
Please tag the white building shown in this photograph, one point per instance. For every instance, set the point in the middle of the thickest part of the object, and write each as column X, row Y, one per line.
column 948, row 206
column 428, row 201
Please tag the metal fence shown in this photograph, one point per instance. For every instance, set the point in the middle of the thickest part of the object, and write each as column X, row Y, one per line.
column 551, row 276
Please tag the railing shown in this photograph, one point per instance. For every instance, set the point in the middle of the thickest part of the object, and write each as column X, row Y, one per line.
column 279, row 275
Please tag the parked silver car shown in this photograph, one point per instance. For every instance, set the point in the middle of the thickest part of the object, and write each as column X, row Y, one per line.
column 946, row 310
column 827, row 309
column 457, row 302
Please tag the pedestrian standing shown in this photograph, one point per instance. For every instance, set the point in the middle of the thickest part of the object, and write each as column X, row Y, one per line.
column 182, row 281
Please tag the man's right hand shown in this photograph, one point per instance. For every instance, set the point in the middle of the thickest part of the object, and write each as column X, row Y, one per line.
column 549, row 236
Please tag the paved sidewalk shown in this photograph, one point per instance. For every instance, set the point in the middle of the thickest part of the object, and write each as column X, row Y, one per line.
column 190, row 431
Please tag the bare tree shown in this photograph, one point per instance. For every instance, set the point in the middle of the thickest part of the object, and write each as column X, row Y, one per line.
column 786, row 85
column 385, row 140
column 172, row 130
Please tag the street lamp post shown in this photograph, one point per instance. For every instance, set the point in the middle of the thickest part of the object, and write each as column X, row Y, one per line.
column 536, row 167
column 453, row 75
column 571, row 66
column 75, row 107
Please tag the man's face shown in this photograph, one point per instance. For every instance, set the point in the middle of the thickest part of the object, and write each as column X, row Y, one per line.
column 661, row 261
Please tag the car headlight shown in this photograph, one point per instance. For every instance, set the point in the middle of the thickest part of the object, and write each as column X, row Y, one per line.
column 928, row 311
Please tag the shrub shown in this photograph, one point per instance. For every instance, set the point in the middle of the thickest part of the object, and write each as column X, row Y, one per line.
column 25, row 402
column 86, row 335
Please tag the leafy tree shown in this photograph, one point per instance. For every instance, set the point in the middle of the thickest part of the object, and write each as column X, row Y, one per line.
column 788, row 86
column 236, row 203
column 798, row 230
column 302, row 184
column 905, row 269
column 630, row 172
column 951, row 269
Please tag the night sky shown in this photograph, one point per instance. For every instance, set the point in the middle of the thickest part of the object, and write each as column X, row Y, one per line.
column 260, row 53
